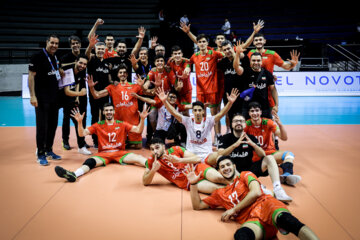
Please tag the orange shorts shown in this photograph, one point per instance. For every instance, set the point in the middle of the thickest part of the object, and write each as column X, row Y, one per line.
column 108, row 157
column 211, row 98
column 185, row 98
column 262, row 213
column 134, row 138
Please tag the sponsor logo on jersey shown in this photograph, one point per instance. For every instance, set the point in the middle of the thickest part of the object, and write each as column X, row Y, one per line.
column 110, row 145
column 239, row 155
column 206, row 75
column 199, row 141
column 125, row 104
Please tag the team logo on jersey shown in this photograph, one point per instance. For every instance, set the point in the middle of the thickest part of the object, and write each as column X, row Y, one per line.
column 245, row 146
column 263, row 78
column 208, row 58
column 117, row 128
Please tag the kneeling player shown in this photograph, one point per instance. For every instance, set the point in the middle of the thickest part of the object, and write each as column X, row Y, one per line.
column 260, row 215
column 111, row 134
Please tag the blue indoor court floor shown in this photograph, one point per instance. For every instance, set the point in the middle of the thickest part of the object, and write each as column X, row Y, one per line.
column 16, row 111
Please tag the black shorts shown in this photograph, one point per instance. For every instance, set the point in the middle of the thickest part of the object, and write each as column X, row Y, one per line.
column 255, row 168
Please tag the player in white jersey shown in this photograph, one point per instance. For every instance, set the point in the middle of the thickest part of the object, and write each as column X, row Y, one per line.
column 199, row 127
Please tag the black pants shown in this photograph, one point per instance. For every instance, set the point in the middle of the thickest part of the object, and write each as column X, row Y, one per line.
column 96, row 106
column 66, row 121
column 47, row 114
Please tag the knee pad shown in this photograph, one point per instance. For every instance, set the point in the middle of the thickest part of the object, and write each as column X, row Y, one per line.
column 244, row 233
column 290, row 155
column 90, row 162
column 289, row 223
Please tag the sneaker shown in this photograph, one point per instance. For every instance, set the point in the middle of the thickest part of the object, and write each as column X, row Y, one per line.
column 66, row 145
column 281, row 195
column 42, row 160
column 52, row 156
column 84, row 151
column 63, row 173
column 266, row 191
column 290, row 179
column 276, row 144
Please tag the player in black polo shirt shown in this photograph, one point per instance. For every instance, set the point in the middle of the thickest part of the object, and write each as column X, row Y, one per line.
column 99, row 69
column 44, row 74
column 243, row 154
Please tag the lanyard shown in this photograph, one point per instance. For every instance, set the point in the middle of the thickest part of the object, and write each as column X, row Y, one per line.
column 52, row 66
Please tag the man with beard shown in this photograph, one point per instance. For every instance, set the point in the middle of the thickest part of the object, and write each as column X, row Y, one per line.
column 171, row 163
column 123, row 57
column 242, row 156
column 44, row 74
column 126, row 105
column 75, row 95
column 260, row 215
column 111, row 134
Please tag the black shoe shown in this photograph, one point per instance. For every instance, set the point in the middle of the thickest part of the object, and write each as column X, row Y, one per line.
column 276, row 144
column 61, row 172
column 66, row 145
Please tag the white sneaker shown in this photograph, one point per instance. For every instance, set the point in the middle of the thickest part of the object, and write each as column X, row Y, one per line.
column 84, row 151
column 281, row 195
column 266, row 191
column 290, row 179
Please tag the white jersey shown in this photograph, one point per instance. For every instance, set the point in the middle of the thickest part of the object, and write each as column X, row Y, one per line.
column 199, row 139
column 164, row 119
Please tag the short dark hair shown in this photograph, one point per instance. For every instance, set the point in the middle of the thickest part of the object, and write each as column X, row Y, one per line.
column 176, row 48
column 120, row 41
column 81, row 55
column 259, row 35
column 222, row 158
column 256, row 54
column 254, row 105
column 220, row 34
column 109, row 35
column 198, row 103
column 202, row 35
column 237, row 115
column 73, row 38
column 158, row 57
column 122, row 66
column 108, row 105
column 52, row 36
column 157, row 140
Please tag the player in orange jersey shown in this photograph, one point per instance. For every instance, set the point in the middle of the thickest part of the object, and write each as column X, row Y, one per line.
column 126, row 106
column 263, row 129
column 111, row 134
column 171, row 164
column 260, row 215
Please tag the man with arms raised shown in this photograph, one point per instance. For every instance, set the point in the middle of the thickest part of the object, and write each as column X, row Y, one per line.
column 111, row 134
column 260, row 215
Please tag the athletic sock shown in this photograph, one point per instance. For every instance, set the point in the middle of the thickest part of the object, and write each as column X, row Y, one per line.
column 287, row 167
column 79, row 172
column 276, row 185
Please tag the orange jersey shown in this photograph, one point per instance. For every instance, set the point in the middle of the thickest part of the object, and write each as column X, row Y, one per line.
column 167, row 78
column 269, row 59
column 111, row 54
column 111, row 137
column 261, row 210
column 206, row 71
column 263, row 133
column 126, row 106
column 178, row 70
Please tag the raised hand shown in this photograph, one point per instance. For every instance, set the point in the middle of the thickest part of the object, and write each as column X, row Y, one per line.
column 75, row 113
column 99, row 21
column 276, row 117
column 239, row 47
column 158, row 80
column 141, row 31
column 133, row 59
column 258, row 26
column 90, row 81
column 156, row 165
column 294, row 58
column 233, row 96
column 140, row 81
column 185, row 28
column 161, row 94
column 93, row 40
column 145, row 112
column 190, row 174
column 153, row 42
